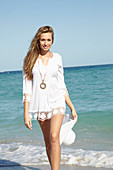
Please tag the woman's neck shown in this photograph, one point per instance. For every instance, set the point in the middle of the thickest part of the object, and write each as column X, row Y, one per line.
column 44, row 53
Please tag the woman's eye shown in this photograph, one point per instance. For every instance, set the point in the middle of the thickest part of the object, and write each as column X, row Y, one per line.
column 45, row 40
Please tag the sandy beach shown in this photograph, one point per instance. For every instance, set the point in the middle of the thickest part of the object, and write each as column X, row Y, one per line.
column 47, row 167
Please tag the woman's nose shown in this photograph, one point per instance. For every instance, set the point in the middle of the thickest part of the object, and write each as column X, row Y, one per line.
column 45, row 42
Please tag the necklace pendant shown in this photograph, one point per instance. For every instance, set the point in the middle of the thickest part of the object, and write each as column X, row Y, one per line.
column 42, row 85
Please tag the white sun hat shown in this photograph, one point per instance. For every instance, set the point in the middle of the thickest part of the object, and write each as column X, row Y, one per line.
column 67, row 135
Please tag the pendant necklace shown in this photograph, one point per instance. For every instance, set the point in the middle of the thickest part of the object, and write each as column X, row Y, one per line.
column 43, row 84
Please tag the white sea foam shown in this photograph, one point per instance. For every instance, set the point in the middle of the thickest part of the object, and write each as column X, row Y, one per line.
column 32, row 155
column 89, row 158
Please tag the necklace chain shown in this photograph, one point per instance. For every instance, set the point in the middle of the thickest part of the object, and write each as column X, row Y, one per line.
column 42, row 85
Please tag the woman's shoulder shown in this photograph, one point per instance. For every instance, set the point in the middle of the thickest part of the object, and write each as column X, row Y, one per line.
column 57, row 56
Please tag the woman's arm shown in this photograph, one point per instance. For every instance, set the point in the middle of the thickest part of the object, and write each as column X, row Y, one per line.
column 63, row 85
column 27, row 119
column 27, row 92
column 70, row 105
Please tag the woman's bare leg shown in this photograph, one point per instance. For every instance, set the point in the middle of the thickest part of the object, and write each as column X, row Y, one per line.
column 45, row 127
column 55, row 150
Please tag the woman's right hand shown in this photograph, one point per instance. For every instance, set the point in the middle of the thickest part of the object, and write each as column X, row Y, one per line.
column 27, row 121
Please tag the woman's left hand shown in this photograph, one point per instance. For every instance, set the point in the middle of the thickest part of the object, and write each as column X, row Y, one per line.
column 74, row 114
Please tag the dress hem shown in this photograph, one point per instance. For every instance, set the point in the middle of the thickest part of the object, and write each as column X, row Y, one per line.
column 47, row 115
column 50, row 117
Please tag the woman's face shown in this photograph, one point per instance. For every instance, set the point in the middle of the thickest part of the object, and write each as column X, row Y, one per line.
column 45, row 41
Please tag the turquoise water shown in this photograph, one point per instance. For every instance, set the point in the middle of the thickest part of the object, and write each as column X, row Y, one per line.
column 91, row 91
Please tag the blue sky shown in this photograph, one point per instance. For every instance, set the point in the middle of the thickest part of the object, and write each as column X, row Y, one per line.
column 83, row 30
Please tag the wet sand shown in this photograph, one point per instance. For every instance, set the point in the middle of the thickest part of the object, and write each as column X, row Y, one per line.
column 47, row 167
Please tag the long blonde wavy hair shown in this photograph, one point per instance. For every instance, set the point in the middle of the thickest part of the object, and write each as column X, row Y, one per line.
column 34, row 51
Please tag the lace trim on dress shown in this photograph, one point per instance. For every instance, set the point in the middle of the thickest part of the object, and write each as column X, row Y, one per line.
column 47, row 115
column 26, row 97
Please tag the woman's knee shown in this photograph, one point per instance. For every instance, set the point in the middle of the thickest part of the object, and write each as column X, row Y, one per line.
column 54, row 137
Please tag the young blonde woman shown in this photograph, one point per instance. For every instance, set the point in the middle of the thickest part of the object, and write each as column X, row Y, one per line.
column 45, row 92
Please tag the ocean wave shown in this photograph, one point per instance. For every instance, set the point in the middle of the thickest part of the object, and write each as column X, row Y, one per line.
column 19, row 153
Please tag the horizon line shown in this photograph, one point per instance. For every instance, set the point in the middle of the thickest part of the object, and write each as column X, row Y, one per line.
column 77, row 66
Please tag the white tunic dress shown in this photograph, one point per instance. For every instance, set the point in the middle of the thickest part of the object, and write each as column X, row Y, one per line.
column 43, row 103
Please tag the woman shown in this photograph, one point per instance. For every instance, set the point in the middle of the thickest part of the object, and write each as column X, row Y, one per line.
column 44, row 92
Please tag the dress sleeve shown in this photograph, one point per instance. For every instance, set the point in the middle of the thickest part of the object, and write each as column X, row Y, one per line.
column 27, row 88
column 61, row 75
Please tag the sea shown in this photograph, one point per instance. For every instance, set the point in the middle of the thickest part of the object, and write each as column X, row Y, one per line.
column 91, row 91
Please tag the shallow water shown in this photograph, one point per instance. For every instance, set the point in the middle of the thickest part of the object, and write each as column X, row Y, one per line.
column 91, row 91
